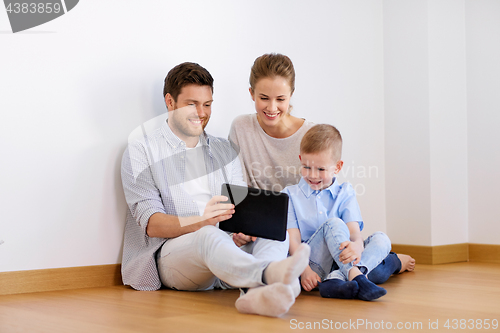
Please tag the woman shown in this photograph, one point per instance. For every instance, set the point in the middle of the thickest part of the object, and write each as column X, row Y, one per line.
column 269, row 139
column 269, row 142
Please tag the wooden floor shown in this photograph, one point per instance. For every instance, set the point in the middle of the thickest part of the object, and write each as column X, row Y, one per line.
column 461, row 291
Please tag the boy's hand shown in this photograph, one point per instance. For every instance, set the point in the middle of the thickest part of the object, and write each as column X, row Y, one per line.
column 351, row 252
column 309, row 279
column 241, row 239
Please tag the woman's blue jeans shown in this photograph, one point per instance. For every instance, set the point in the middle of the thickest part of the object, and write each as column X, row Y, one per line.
column 376, row 261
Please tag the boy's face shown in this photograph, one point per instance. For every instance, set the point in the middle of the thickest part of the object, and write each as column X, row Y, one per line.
column 318, row 169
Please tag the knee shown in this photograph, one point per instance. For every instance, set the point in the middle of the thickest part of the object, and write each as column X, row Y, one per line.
column 208, row 232
column 383, row 240
column 208, row 238
column 336, row 224
column 382, row 236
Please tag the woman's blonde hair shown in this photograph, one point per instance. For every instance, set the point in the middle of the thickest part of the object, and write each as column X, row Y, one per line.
column 272, row 65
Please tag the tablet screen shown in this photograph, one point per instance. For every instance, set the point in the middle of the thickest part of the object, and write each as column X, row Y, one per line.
column 259, row 213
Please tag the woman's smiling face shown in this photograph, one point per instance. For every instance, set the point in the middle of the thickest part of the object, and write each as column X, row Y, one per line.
column 272, row 100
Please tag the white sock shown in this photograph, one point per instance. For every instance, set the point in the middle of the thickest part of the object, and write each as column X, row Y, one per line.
column 288, row 270
column 296, row 288
column 272, row 300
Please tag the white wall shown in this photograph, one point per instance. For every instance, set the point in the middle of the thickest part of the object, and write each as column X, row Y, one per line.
column 448, row 122
column 441, row 93
column 74, row 88
column 426, row 121
column 407, row 132
column 483, row 110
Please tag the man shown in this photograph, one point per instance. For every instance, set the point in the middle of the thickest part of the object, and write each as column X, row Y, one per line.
column 172, row 180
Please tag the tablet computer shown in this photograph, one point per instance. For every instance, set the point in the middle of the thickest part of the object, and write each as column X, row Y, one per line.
column 259, row 213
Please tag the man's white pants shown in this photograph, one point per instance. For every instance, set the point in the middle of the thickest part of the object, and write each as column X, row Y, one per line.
column 208, row 258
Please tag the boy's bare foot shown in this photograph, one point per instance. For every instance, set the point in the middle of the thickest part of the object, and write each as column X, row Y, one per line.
column 407, row 263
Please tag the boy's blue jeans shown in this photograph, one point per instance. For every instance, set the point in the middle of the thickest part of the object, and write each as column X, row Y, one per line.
column 324, row 259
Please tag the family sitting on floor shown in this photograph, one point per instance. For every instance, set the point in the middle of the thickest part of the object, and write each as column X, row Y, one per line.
column 172, row 181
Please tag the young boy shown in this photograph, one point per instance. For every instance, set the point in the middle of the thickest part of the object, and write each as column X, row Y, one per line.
column 326, row 215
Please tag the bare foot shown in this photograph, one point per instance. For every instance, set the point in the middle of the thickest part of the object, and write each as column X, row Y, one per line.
column 407, row 263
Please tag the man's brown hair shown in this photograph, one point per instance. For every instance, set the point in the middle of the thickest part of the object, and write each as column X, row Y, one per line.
column 320, row 138
column 185, row 74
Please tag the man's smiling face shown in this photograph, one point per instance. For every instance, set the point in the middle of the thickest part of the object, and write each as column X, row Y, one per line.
column 189, row 115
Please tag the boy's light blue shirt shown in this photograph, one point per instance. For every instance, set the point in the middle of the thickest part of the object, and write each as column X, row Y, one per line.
column 308, row 209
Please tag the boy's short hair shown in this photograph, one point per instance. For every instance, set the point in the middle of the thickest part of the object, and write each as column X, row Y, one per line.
column 320, row 138
column 185, row 74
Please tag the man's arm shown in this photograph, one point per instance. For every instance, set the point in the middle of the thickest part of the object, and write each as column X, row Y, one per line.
column 146, row 205
column 170, row 226
column 141, row 193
